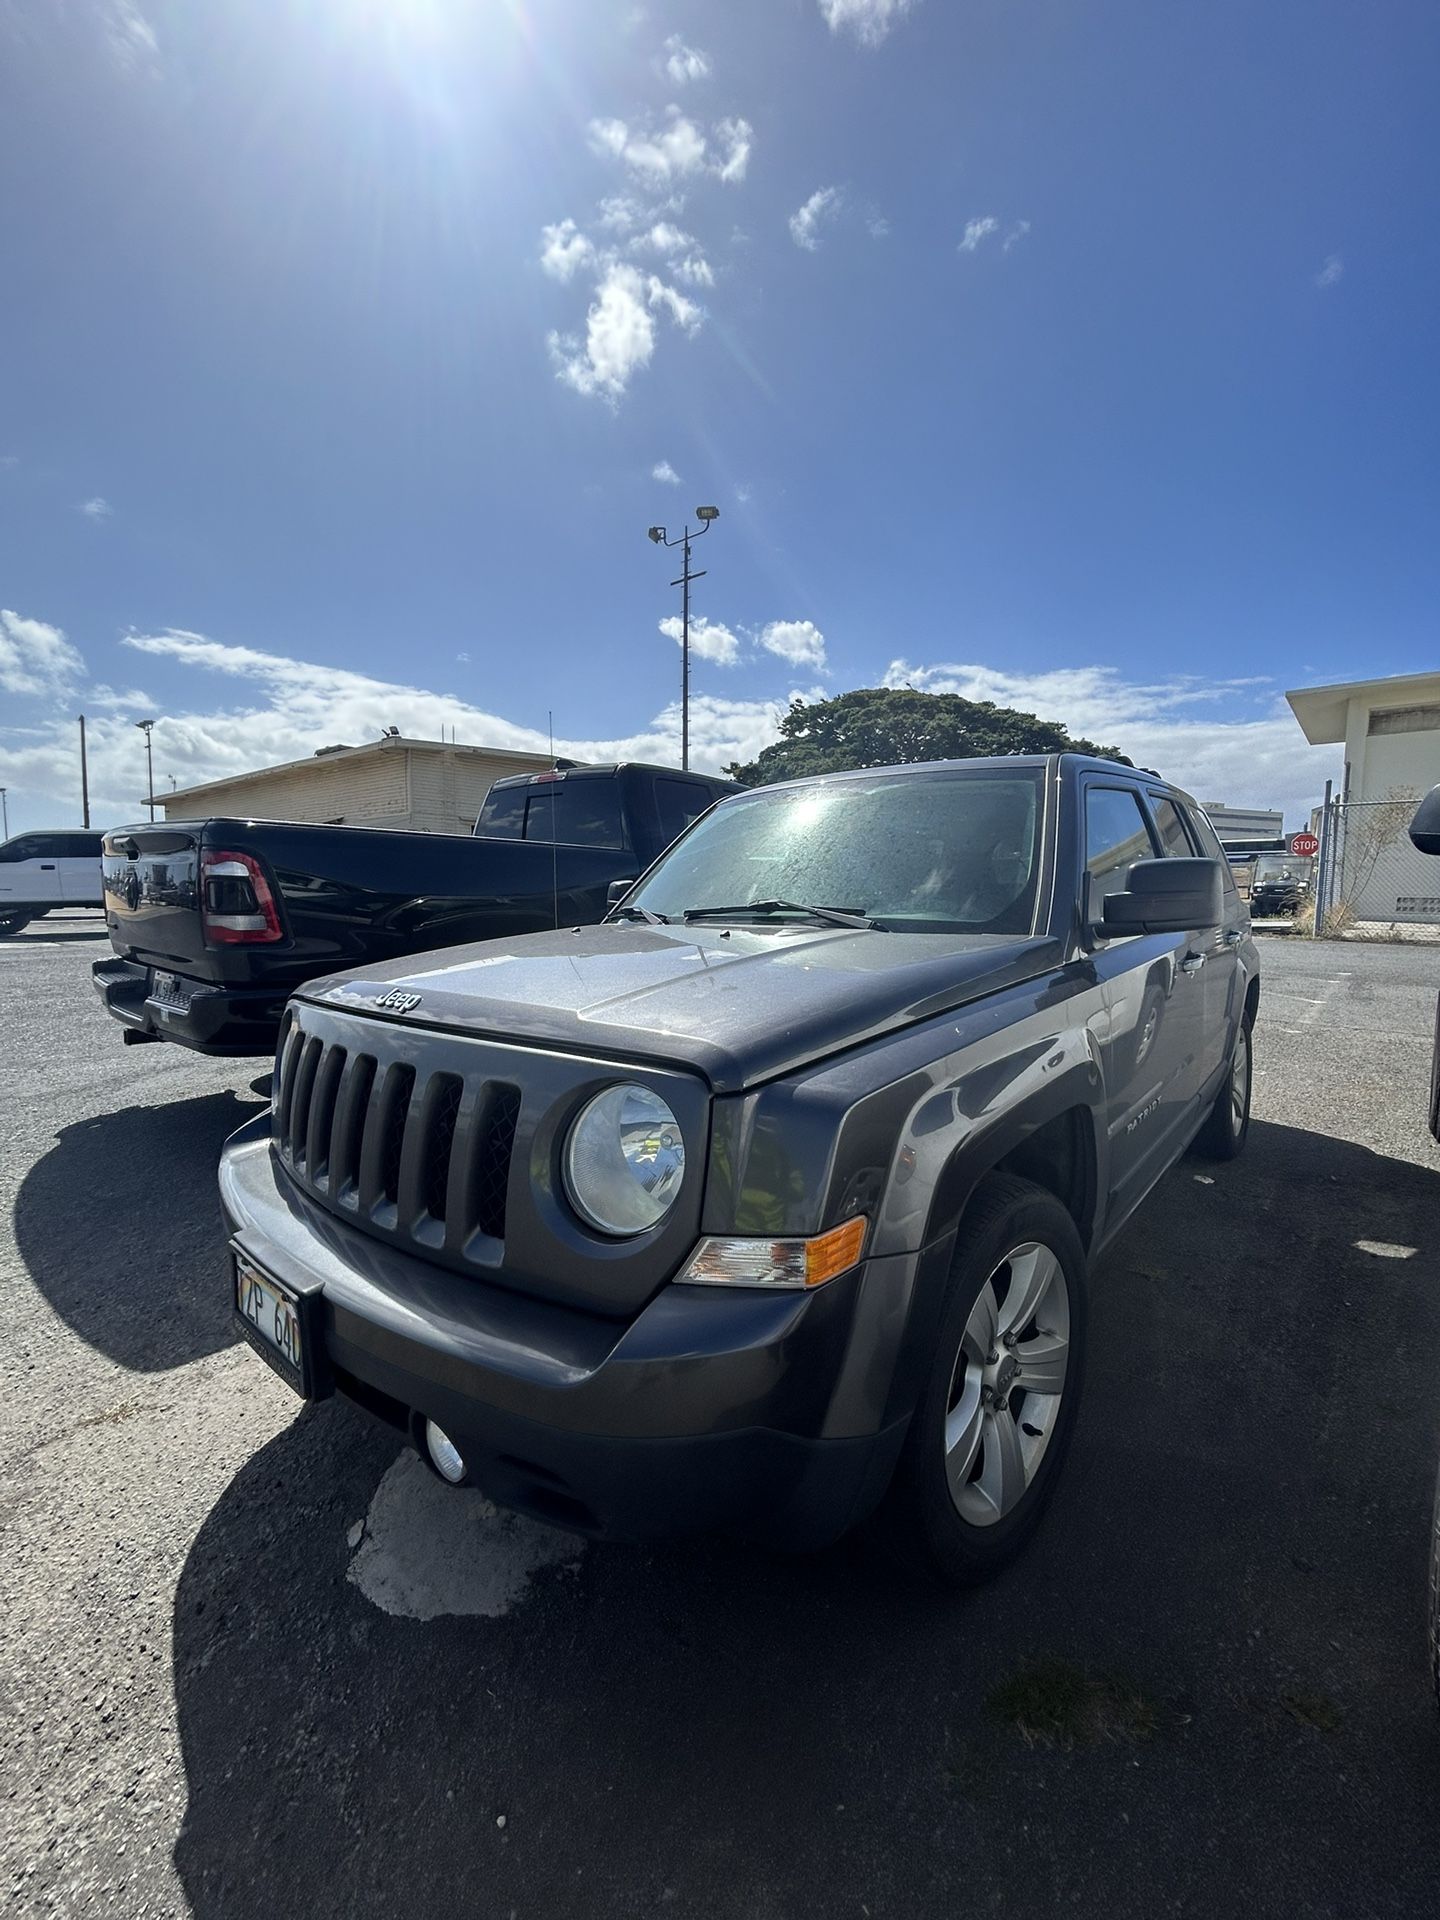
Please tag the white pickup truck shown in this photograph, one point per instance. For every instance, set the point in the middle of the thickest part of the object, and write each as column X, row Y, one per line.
column 41, row 871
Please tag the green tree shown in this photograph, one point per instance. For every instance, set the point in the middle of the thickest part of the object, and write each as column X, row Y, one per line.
column 890, row 726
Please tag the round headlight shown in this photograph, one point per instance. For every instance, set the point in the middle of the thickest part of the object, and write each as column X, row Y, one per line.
column 624, row 1160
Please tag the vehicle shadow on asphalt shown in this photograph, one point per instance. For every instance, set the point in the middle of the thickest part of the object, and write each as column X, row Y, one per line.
column 119, row 1226
column 1239, row 1544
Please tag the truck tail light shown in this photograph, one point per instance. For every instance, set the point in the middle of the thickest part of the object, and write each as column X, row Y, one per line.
column 237, row 908
column 777, row 1263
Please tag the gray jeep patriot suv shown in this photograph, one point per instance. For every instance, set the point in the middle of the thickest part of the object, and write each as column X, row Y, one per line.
column 767, row 1204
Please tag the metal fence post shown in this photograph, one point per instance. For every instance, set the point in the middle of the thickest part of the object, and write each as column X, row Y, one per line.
column 1317, row 925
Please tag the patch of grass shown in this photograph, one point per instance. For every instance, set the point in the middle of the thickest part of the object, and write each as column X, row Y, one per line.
column 1054, row 1703
column 1316, row 1710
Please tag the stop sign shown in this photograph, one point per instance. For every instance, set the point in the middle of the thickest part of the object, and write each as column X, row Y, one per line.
column 1304, row 845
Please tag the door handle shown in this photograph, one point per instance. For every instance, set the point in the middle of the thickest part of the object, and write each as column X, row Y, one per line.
column 1192, row 963
column 47, row 866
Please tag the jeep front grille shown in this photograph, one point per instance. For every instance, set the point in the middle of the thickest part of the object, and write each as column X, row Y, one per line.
column 422, row 1158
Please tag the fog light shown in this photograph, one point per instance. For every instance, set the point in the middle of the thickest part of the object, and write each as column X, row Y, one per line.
column 445, row 1456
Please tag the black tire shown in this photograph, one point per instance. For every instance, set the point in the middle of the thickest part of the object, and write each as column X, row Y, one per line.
column 1227, row 1127
column 920, row 1521
column 12, row 923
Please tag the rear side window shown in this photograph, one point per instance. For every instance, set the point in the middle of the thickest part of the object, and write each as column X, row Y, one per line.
column 79, row 846
column 1208, row 843
column 1116, row 836
column 679, row 803
column 1173, row 838
column 503, row 815
column 572, row 813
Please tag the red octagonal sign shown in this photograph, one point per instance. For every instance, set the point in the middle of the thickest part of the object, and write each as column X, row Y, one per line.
column 1304, row 845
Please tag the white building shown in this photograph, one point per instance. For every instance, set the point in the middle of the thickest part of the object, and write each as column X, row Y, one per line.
column 423, row 786
column 1390, row 730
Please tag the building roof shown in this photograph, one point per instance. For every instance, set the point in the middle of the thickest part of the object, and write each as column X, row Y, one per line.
column 332, row 756
column 1324, row 711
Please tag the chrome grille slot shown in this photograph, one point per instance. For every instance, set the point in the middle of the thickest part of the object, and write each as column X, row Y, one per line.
column 442, row 1095
column 320, row 1129
column 496, row 1146
column 299, row 1116
column 287, row 1058
column 352, row 1106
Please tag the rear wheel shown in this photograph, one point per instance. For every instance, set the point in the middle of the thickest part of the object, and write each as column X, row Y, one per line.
column 12, row 923
column 1224, row 1133
column 993, row 1422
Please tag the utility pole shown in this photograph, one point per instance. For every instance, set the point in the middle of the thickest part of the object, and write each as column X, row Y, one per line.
column 707, row 516
column 4, row 815
column 84, row 779
column 145, row 726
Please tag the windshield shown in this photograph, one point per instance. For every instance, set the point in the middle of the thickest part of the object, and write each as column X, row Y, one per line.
column 1281, row 866
column 939, row 853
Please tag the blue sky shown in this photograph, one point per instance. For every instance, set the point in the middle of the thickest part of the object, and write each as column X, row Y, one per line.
column 1075, row 354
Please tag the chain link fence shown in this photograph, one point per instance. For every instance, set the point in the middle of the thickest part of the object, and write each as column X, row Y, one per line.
column 1371, row 884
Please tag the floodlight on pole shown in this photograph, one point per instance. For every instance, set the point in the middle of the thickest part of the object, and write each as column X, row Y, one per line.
column 145, row 727
column 707, row 517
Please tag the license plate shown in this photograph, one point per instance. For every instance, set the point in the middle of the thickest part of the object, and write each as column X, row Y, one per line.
column 271, row 1319
column 170, row 990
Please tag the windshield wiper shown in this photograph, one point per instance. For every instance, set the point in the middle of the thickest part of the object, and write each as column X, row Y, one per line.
column 831, row 916
column 639, row 913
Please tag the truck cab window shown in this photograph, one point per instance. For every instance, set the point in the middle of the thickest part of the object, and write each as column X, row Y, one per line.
column 679, row 803
column 1116, row 836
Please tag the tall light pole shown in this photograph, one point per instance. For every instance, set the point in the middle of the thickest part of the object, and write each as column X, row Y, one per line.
column 4, row 815
column 145, row 726
column 707, row 516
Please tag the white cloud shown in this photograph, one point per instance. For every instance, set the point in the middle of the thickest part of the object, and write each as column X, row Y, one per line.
column 665, row 237
column 9, row 459
column 665, row 474
column 818, row 211
column 735, row 138
column 130, row 35
column 685, row 64
column 977, row 231
column 287, row 708
column 1223, row 756
column 674, row 152
column 798, row 641
column 96, row 508
column 619, row 212
column 1016, row 234
column 564, row 250
column 695, row 270
column 1332, row 270
column 682, row 311
column 35, row 658
column 708, row 638
column 868, row 20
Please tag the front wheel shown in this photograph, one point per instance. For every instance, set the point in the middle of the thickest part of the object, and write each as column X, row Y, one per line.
column 993, row 1422
column 1225, row 1131
column 12, row 923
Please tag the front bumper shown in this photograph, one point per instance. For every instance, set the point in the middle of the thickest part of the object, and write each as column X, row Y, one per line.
column 210, row 1019
column 712, row 1411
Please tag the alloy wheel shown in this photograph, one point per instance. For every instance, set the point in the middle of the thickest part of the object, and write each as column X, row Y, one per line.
column 1007, row 1387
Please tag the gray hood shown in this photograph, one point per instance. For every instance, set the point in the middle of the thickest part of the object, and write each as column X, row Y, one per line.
column 739, row 1005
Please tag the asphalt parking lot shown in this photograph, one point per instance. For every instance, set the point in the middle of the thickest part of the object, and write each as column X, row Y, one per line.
column 253, row 1662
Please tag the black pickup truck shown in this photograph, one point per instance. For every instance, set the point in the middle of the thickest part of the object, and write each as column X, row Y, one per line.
column 768, row 1204
column 216, row 922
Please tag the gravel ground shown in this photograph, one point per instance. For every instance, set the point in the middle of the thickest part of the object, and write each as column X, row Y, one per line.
column 218, row 1695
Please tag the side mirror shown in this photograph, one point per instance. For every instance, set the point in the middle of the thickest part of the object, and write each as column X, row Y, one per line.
column 618, row 891
column 1425, row 827
column 1167, row 896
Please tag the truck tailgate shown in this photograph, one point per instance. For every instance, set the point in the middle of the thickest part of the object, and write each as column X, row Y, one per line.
column 152, row 897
